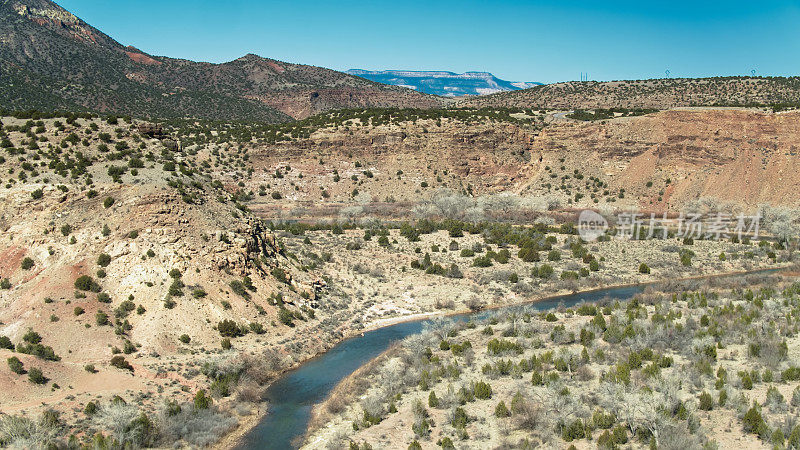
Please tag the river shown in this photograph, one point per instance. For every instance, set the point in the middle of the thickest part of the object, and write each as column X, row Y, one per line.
column 292, row 396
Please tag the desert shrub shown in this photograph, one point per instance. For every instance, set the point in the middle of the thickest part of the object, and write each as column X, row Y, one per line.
column 239, row 288
column 482, row 261
column 644, row 268
column 103, row 260
column 686, row 256
column 569, row 275
column 796, row 396
column 602, row 420
column 433, row 401
column 85, row 283
column 198, row 427
column 90, row 409
column 280, row 275
column 501, row 410
column 706, row 402
column 36, row 376
column 5, row 343
column 286, row 317
column 460, row 418
column 15, row 365
column 575, row 430
column 109, row 201
column 753, row 422
column 775, row 399
column 27, row 263
column 747, row 381
column 544, row 271
column 22, row 432
column 229, row 328
column 454, row 272
column 791, row 374
column 482, row 390
column 101, row 318
column 38, row 350
column 185, row 338
column 618, row 436
column 120, row 363
column 503, row 346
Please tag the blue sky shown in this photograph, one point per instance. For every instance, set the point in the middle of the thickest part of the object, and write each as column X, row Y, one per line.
column 544, row 41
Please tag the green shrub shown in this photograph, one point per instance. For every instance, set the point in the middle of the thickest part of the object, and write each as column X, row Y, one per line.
column 101, row 318
column 433, row 401
column 791, row 374
column 36, row 376
column 201, row 400
column 27, row 263
column 460, row 418
column 482, row 261
column 545, row 271
column 120, row 363
column 644, row 268
column 482, row 390
column 85, row 283
column 753, row 422
column 280, row 275
column 15, row 365
column 286, row 317
column 575, row 430
column 706, row 402
column 104, row 260
column 501, row 410
column 229, row 328
column 239, row 289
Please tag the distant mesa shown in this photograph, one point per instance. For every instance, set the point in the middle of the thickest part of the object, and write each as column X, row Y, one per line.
column 442, row 83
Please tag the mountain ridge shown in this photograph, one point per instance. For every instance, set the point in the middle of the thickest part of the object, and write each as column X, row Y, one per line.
column 443, row 83
column 55, row 60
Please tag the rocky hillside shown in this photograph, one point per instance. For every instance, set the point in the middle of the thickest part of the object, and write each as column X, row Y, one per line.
column 51, row 59
column 658, row 94
column 129, row 267
column 665, row 161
